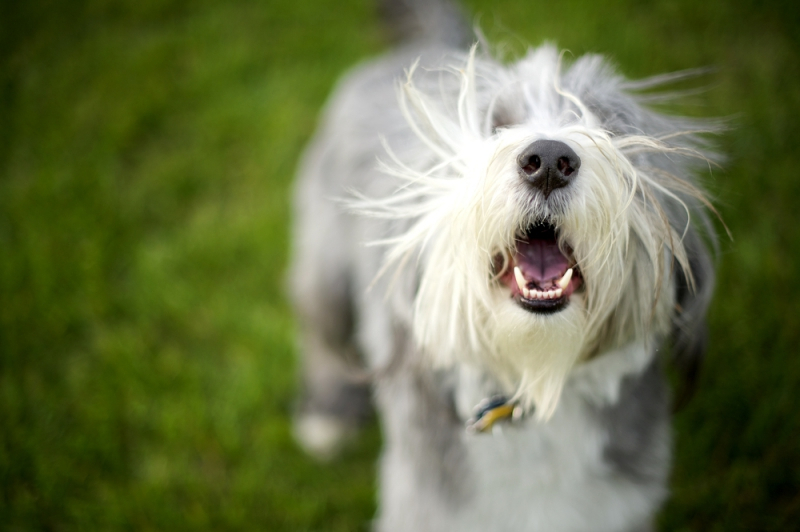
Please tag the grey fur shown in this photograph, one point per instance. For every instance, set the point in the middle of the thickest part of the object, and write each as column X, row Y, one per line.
column 424, row 431
column 331, row 269
column 638, row 428
column 425, row 21
column 689, row 331
column 434, row 475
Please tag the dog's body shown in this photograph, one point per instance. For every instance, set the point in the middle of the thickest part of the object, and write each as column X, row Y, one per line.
column 465, row 294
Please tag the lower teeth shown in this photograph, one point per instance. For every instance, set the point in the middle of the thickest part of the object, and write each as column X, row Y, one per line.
column 538, row 294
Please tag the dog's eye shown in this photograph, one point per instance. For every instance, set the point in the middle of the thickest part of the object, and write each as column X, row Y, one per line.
column 502, row 117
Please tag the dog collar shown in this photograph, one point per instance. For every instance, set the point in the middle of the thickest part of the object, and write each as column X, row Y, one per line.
column 491, row 410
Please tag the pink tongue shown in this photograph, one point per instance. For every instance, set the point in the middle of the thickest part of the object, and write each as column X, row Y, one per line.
column 541, row 260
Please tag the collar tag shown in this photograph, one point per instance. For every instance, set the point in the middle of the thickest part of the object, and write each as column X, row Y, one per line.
column 490, row 411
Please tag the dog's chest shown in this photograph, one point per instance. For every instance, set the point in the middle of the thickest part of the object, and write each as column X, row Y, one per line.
column 551, row 476
column 598, row 464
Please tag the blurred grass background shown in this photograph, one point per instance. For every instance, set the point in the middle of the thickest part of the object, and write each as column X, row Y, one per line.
column 146, row 354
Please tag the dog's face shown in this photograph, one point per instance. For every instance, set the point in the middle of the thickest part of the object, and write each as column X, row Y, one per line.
column 546, row 236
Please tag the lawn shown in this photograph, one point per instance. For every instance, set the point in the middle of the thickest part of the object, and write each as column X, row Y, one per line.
column 147, row 149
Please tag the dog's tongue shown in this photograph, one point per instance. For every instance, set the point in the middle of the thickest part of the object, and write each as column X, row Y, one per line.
column 540, row 260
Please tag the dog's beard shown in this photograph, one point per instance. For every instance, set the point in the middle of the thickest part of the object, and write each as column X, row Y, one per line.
column 468, row 306
column 534, row 354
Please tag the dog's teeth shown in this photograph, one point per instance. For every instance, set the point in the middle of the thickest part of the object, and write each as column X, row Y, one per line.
column 558, row 292
column 520, row 279
column 526, row 293
column 551, row 294
column 564, row 281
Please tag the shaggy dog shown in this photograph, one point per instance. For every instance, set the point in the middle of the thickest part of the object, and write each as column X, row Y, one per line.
column 495, row 253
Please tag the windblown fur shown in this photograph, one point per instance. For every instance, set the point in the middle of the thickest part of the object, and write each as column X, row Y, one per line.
column 466, row 206
column 410, row 210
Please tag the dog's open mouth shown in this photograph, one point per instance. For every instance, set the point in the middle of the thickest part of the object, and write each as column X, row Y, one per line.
column 540, row 275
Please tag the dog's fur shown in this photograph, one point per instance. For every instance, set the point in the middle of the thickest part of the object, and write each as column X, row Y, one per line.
column 410, row 211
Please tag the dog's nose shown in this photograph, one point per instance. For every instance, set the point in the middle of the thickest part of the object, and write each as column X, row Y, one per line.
column 548, row 165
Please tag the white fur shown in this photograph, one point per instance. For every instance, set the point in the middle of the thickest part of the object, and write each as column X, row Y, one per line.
column 439, row 328
column 321, row 436
column 465, row 205
column 533, row 476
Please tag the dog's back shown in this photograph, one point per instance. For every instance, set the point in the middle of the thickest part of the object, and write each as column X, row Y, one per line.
column 331, row 269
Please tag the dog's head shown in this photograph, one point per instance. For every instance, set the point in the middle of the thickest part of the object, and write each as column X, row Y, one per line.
column 551, row 214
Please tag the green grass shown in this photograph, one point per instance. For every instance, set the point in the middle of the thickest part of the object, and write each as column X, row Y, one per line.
column 146, row 349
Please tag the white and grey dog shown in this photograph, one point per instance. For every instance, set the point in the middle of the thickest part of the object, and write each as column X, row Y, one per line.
column 501, row 247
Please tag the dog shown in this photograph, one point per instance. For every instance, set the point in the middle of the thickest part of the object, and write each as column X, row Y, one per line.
column 496, row 255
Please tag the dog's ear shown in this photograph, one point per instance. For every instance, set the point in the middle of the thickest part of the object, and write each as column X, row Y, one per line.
column 689, row 331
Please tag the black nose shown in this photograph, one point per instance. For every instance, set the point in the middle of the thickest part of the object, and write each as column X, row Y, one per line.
column 548, row 165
